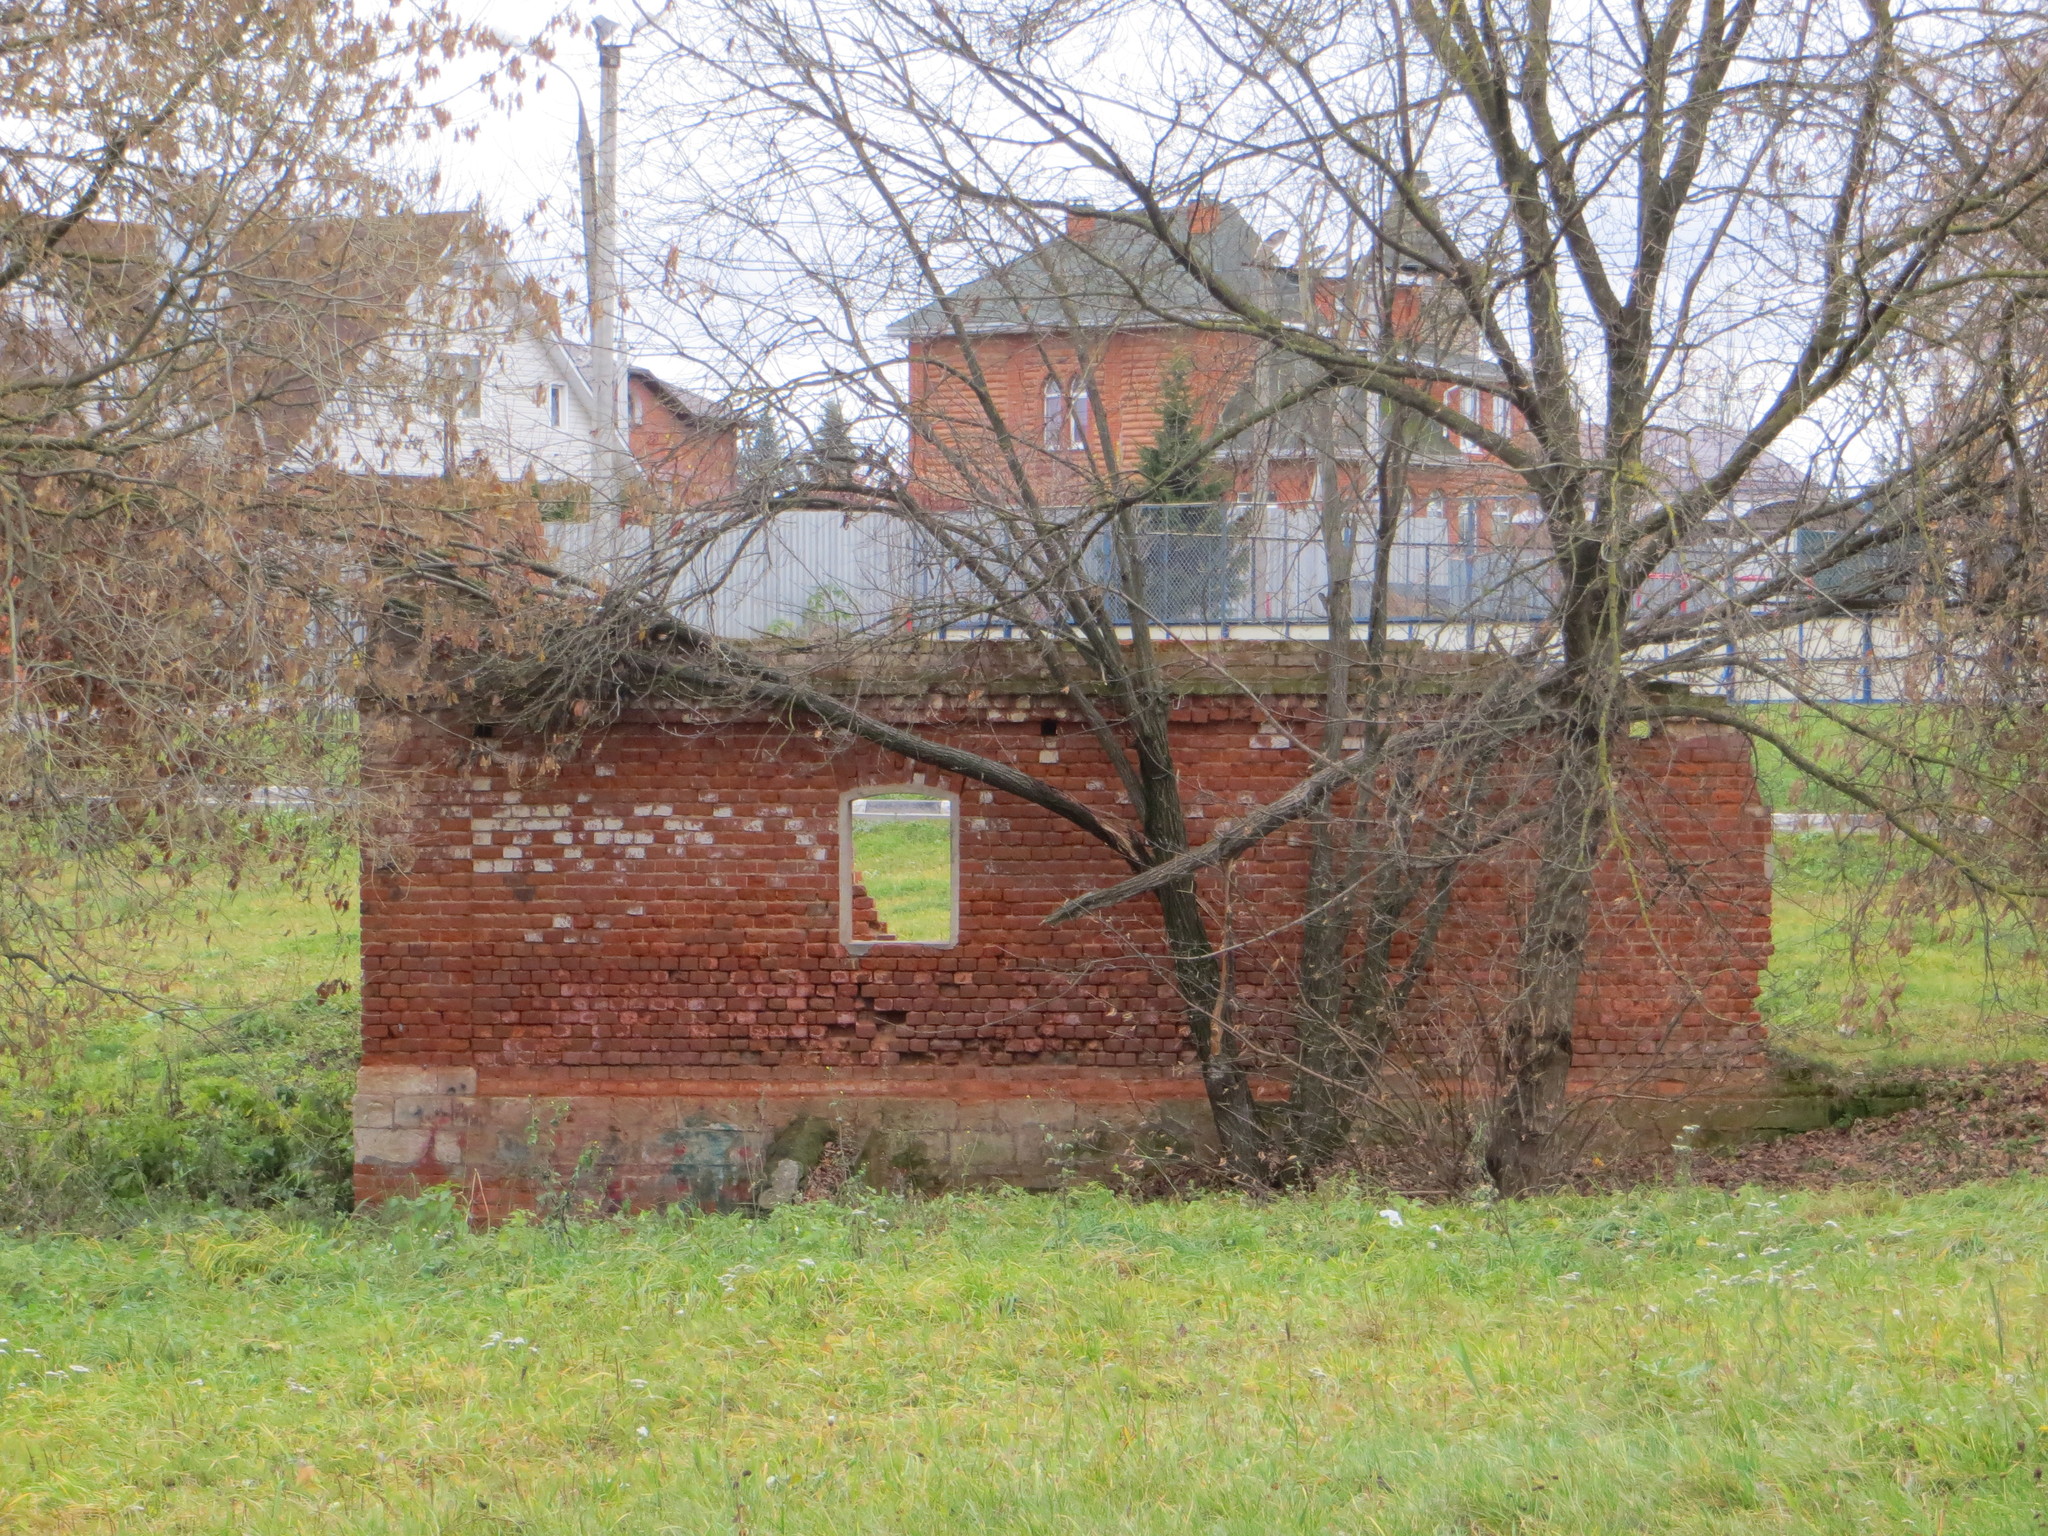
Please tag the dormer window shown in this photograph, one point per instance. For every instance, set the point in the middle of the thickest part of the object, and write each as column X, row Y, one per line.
column 1066, row 416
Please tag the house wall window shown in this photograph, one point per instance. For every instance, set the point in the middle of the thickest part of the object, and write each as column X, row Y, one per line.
column 554, row 405
column 899, row 866
column 1471, row 403
column 456, row 380
column 1066, row 416
column 1489, row 410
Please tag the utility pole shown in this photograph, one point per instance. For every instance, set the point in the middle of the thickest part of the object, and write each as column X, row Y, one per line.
column 600, row 177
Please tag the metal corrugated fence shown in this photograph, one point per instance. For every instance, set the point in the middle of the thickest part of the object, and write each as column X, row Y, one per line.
column 1205, row 571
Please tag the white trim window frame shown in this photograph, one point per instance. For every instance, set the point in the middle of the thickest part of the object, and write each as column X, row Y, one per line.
column 1056, row 427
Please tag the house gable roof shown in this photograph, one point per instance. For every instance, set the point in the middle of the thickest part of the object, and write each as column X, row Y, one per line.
column 685, row 404
column 1114, row 275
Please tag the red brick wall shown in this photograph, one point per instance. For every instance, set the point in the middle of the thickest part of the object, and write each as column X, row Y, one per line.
column 661, row 920
column 955, row 454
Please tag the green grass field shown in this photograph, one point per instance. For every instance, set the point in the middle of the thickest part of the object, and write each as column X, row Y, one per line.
column 1676, row 1361
column 1784, row 787
column 237, row 1089
column 1853, row 984
column 1855, row 987
column 261, row 950
column 1669, row 1360
column 907, row 867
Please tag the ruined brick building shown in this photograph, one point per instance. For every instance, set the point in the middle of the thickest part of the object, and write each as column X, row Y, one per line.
column 657, row 961
column 662, row 967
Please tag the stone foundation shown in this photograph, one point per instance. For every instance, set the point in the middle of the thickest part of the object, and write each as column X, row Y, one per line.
column 509, row 1142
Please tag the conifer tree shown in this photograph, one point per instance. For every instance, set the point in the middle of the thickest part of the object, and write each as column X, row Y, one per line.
column 764, row 460
column 834, row 455
column 1191, row 568
column 1174, row 462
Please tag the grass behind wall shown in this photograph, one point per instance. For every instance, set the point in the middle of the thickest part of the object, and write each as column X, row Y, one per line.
column 907, row 867
column 237, row 1089
column 1859, row 983
column 1860, row 986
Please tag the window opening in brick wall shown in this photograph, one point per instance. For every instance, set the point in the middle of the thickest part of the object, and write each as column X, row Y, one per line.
column 899, row 866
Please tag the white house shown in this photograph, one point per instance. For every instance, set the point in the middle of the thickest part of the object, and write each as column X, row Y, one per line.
column 498, row 393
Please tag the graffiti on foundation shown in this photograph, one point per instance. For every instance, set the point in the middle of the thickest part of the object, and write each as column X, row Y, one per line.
column 712, row 1163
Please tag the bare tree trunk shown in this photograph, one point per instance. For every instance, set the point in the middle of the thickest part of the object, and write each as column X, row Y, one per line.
column 1198, row 970
column 1344, row 1021
column 1320, row 1119
column 1536, row 1044
column 1199, row 976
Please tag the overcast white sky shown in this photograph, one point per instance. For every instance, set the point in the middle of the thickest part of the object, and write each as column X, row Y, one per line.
column 522, row 164
column 519, row 159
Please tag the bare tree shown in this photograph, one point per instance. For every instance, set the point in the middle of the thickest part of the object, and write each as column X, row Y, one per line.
column 207, row 234
column 1645, row 264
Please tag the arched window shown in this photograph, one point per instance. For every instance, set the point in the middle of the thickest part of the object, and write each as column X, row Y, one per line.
column 899, row 867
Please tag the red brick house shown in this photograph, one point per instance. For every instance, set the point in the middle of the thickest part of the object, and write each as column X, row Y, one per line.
column 1075, row 364
column 681, row 442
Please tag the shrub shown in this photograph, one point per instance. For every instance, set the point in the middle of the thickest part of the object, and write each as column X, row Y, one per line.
column 251, row 1112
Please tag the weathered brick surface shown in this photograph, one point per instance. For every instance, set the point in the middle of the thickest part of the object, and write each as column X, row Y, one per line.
column 642, row 955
